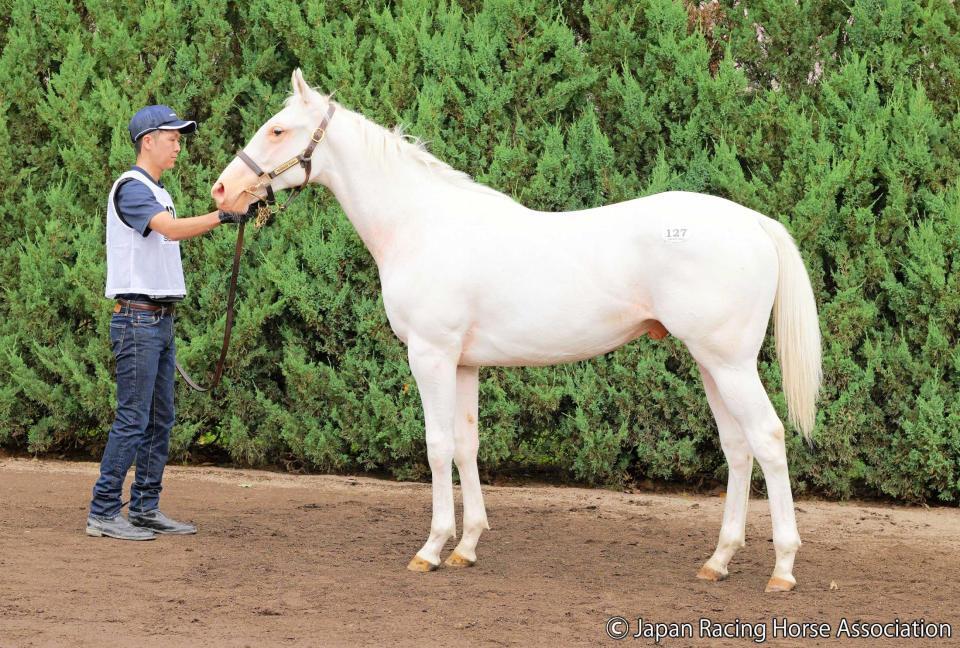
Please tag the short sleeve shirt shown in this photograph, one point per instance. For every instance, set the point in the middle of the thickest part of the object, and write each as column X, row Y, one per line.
column 135, row 203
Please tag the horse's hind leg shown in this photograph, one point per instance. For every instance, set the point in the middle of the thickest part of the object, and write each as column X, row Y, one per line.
column 745, row 399
column 466, row 443
column 740, row 464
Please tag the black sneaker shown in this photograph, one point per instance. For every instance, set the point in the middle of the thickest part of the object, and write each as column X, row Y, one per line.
column 159, row 523
column 116, row 527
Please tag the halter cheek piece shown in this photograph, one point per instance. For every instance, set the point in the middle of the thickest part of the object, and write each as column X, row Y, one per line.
column 264, row 179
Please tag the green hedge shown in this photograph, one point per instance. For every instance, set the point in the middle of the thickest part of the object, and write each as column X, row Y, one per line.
column 840, row 119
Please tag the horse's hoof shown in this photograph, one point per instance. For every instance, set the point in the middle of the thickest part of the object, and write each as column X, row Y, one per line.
column 456, row 560
column 779, row 585
column 710, row 574
column 418, row 564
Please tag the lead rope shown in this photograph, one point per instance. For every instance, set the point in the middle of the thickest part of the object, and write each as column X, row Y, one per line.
column 231, row 295
column 263, row 215
column 265, row 211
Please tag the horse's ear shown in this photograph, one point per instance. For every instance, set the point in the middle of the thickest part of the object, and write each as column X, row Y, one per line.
column 300, row 87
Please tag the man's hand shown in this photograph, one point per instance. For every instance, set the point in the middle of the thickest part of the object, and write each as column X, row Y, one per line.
column 239, row 217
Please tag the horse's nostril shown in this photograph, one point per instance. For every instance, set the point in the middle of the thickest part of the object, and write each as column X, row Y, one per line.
column 218, row 190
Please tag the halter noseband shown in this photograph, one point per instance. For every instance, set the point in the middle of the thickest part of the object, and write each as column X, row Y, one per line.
column 264, row 179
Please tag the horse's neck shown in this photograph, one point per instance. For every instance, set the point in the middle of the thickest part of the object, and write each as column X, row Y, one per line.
column 379, row 200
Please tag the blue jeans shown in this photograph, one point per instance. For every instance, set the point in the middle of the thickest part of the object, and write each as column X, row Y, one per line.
column 143, row 346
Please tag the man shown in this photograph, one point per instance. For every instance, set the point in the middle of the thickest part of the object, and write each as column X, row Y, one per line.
column 145, row 277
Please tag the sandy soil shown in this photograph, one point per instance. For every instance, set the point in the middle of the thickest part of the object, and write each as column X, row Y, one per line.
column 285, row 560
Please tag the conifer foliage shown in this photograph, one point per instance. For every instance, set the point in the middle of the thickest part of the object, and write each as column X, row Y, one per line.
column 840, row 119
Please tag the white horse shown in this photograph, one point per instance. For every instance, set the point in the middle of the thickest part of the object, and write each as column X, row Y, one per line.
column 471, row 278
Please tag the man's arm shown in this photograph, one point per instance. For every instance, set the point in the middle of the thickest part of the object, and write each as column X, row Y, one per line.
column 177, row 229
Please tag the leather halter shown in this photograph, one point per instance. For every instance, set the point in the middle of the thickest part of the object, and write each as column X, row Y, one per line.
column 264, row 179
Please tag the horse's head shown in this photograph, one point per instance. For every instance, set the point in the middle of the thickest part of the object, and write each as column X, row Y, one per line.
column 283, row 138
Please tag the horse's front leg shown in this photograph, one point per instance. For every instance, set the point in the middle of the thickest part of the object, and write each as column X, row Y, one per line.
column 466, row 442
column 435, row 370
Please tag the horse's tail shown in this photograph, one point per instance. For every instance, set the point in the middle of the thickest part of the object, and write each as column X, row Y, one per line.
column 797, row 330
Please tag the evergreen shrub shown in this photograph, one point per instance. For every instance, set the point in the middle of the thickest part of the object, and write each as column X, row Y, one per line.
column 840, row 119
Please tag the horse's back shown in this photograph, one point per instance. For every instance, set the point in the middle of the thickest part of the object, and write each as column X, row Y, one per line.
column 524, row 287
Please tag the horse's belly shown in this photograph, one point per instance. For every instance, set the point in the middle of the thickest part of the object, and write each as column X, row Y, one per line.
column 553, row 343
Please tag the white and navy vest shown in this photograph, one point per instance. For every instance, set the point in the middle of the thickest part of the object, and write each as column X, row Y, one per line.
column 136, row 264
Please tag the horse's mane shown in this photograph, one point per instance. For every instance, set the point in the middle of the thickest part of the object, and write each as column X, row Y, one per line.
column 388, row 144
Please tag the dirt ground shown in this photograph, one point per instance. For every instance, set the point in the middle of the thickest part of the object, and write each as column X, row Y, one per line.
column 285, row 560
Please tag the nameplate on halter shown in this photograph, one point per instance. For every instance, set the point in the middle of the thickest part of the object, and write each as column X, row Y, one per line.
column 675, row 234
column 286, row 166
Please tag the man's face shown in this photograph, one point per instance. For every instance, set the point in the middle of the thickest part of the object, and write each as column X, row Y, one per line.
column 163, row 148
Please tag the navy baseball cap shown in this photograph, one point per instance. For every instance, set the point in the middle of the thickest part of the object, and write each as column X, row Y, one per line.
column 154, row 118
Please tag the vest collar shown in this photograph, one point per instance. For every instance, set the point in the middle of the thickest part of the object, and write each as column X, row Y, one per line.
column 148, row 176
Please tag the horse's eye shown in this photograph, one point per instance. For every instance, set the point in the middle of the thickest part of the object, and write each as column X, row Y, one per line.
column 278, row 131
